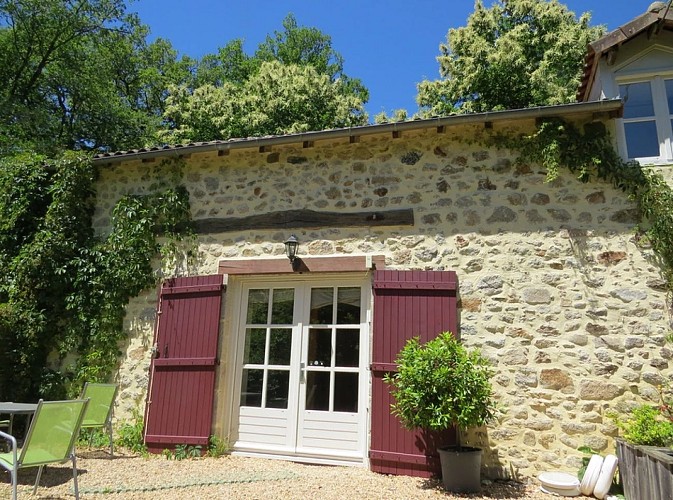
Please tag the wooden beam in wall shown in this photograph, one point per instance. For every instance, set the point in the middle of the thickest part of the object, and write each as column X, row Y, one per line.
column 301, row 219
column 281, row 265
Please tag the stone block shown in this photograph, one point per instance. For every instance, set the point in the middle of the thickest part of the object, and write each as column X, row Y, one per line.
column 556, row 378
column 598, row 390
column 536, row 296
column 629, row 294
column 611, row 258
column 540, row 424
column 577, row 427
column 515, row 357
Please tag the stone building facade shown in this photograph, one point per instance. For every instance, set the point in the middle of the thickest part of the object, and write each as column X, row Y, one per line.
column 554, row 287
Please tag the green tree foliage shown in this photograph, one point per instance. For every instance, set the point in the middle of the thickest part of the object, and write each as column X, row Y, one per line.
column 309, row 47
column 294, row 82
column 516, row 54
column 80, row 75
column 230, row 65
column 277, row 99
column 64, row 289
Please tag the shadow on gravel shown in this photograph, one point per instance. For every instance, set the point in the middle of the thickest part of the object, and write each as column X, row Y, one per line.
column 51, row 476
column 101, row 454
column 497, row 489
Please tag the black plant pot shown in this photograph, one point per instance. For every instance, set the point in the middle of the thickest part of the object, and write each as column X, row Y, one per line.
column 461, row 468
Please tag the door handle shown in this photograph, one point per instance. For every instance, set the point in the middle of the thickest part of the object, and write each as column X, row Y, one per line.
column 302, row 372
column 165, row 350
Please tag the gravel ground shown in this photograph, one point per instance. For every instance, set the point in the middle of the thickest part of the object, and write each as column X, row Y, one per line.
column 130, row 477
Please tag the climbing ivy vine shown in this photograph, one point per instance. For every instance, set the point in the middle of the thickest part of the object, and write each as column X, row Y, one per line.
column 589, row 153
column 64, row 288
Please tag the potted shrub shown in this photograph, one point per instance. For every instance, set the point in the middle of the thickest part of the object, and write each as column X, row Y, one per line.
column 440, row 385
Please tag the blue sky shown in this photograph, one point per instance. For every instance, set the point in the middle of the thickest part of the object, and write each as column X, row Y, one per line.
column 390, row 44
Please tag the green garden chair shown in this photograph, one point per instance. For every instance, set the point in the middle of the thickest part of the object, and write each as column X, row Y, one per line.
column 99, row 413
column 50, row 439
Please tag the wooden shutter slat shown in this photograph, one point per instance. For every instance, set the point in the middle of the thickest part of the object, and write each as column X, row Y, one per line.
column 169, row 290
column 384, row 367
column 185, row 362
column 416, row 285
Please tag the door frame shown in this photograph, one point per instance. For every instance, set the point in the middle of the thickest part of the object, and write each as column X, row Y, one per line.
column 232, row 346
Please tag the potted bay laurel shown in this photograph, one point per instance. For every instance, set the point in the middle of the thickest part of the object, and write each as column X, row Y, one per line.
column 441, row 384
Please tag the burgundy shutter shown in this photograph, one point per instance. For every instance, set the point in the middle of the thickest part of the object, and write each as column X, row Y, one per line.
column 182, row 373
column 406, row 304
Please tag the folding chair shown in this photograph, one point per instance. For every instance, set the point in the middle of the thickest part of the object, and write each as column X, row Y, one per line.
column 99, row 413
column 50, row 439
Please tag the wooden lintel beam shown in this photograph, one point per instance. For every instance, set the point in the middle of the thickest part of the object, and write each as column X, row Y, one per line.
column 282, row 265
column 305, row 219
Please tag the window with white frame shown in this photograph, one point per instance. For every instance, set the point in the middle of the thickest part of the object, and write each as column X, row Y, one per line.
column 647, row 121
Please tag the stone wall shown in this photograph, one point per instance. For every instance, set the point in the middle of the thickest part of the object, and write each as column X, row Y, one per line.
column 553, row 286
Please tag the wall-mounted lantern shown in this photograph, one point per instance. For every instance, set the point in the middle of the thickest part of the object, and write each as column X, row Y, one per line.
column 291, row 245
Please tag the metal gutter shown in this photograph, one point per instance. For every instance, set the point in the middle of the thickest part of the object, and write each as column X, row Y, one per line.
column 566, row 110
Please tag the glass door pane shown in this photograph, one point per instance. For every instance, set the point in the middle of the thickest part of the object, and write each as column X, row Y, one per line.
column 317, row 390
column 347, row 347
column 348, row 306
column 319, row 347
column 322, row 306
column 346, row 392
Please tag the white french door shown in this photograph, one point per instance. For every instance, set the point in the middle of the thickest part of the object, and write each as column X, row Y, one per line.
column 302, row 376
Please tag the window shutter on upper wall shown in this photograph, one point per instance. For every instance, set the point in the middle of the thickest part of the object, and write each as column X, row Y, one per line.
column 182, row 373
column 407, row 304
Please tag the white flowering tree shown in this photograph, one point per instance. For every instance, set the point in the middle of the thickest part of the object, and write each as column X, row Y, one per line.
column 515, row 54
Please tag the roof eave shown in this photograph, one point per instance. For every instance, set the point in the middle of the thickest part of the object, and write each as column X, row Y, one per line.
column 563, row 110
